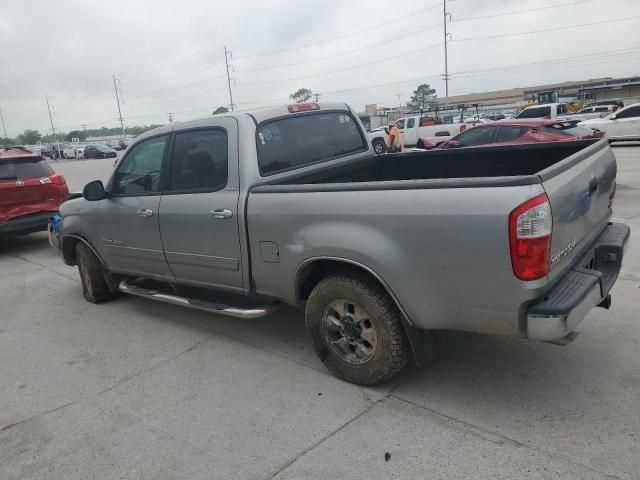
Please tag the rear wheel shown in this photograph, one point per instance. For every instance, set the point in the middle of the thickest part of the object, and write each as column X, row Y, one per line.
column 93, row 275
column 356, row 329
column 379, row 147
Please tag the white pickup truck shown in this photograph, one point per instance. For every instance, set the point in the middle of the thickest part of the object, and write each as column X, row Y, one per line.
column 550, row 110
column 413, row 133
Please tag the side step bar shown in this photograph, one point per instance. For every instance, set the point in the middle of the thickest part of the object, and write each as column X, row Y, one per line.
column 204, row 305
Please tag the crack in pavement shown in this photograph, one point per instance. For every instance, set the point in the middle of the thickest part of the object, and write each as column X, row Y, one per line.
column 481, row 432
column 385, row 397
column 108, row 389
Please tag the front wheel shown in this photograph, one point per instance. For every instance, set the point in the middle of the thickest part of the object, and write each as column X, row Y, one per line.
column 356, row 329
column 379, row 147
column 93, row 275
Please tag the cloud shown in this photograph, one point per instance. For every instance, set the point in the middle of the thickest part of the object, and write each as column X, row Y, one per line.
column 169, row 55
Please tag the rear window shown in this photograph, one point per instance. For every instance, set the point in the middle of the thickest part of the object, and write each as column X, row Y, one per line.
column 301, row 140
column 24, row 168
column 535, row 112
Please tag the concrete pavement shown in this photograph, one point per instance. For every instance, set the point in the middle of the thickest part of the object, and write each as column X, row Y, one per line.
column 134, row 389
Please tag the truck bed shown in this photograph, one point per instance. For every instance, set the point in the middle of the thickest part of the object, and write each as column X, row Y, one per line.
column 478, row 162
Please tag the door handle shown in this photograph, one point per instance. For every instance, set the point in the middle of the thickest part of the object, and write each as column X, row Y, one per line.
column 145, row 212
column 221, row 213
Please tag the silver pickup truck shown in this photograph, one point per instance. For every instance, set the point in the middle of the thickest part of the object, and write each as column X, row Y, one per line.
column 238, row 213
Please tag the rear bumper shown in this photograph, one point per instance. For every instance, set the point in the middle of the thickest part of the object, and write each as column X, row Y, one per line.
column 31, row 223
column 585, row 286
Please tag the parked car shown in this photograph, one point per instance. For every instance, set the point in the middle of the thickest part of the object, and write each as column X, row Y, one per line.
column 614, row 102
column 623, row 124
column 237, row 213
column 73, row 151
column 99, row 151
column 30, row 191
column 123, row 144
column 113, row 144
column 516, row 131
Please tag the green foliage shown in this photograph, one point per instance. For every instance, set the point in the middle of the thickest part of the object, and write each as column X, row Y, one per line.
column 7, row 141
column 220, row 110
column 74, row 134
column 29, row 137
column 422, row 97
column 301, row 95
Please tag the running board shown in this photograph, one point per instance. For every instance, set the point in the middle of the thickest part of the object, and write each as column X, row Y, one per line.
column 197, row 304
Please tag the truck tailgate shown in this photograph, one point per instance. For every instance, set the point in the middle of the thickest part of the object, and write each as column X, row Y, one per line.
column 580, row 191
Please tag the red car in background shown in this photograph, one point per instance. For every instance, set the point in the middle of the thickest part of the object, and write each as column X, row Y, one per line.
column 510, row 132
column 30, row 191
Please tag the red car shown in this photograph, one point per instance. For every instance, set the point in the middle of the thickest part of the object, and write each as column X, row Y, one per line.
column 30, row 191
column 509, row 132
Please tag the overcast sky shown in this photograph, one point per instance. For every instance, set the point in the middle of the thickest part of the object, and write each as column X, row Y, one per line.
column 169, row 55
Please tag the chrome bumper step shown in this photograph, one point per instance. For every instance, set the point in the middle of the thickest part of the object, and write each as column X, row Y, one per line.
column 198, row 304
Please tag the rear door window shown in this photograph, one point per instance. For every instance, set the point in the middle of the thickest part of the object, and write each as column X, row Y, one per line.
column 629, row 112
column 510, row 133
column 476, row 136
column 23, row 169
column 200, row 160
column 411, row 123
column 296, row 141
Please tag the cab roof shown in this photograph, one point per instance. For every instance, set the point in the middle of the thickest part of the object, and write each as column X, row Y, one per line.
column 13, row 153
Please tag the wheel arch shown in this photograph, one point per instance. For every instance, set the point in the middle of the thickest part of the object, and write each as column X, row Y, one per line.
column 69, row 243
column 310, row 272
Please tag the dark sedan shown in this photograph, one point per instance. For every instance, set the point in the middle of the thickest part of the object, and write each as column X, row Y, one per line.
column 99, row 151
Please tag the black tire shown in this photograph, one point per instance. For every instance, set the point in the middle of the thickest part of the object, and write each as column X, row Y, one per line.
column 391, row 352
column 94, row 283
column 379, row 147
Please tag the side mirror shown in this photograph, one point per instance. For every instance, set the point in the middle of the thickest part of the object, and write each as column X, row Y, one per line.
column 453, row 144
column 94, row 191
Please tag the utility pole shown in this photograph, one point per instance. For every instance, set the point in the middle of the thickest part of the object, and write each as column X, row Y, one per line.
column 317, row 97
column 170, row 115
column 399, row 104
column 446, row 76
column 53, row 130
column 84, row 129
column 4, row 129
column 115, row 88
column 226, row 61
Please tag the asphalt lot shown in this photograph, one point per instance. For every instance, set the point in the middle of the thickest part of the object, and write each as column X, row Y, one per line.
column 135, row 389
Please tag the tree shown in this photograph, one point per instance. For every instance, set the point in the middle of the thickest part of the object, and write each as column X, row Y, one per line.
column 74, row 134
column 301, row 95
column 29, row 137
column 220, row 110
column 422, row 97
column 6, row 141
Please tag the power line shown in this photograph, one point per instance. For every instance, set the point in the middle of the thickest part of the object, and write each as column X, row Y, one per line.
column 378, row 60
column 350, row 34
column 180, row 87
column 164, row 100
column 515, row 12
column 366, row 47
column 162, row 79
column 564, row 27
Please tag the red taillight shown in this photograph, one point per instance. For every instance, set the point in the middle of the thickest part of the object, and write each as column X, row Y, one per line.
column 58, row 180
column 303, row 107
column 530, row 228
column 462, row 128
column 53, row 179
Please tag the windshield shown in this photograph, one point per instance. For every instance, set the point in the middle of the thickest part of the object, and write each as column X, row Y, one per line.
column 22, row 169
column 535, row 112
column 300, row 140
